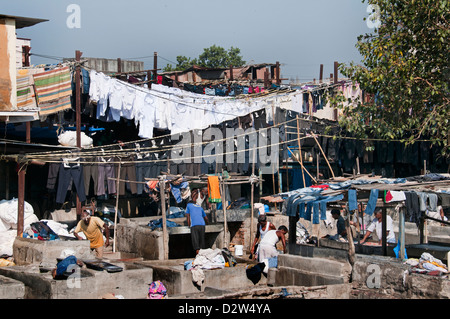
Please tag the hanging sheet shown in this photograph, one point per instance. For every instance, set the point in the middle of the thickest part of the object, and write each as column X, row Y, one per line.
column 53, row 90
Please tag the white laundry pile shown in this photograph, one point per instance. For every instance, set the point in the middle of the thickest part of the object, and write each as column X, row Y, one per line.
column 69, row 138
column 8, row 223
column 206, row 259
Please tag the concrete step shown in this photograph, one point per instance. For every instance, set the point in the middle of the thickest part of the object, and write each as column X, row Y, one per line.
column 11, row 288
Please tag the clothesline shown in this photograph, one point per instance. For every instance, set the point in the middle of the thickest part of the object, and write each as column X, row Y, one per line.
column 101, row 149
column 161, row 160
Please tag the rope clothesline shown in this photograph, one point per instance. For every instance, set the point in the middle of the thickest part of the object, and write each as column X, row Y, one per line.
column 91, row 152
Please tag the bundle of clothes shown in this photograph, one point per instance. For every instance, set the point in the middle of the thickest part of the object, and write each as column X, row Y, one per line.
column 427, row 264
column 208, row 259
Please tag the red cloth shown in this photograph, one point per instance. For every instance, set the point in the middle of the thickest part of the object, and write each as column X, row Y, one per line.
column 324, row 187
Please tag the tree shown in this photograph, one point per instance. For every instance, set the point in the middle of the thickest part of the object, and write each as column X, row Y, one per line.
column 212, row 57
column 406, row 72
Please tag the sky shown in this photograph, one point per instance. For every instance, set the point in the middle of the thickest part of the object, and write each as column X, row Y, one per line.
column 300, row 34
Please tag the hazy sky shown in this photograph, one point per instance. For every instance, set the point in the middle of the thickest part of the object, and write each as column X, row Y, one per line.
column 299, row 34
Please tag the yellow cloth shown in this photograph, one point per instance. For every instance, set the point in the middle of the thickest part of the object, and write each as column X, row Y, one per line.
column 93, row 231
column 214, row 189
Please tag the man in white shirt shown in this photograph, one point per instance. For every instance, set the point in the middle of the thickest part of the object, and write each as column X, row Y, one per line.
column 377, row 226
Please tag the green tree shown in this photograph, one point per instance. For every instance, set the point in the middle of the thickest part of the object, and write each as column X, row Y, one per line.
column 405, row 71
column 212, row 57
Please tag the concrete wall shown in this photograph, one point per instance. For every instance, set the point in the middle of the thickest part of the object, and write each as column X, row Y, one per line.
column 134, row 236
column 28, row 251
column 8, row 85
column 179, row 281
column 306, row 271
column 131, row 283
column 11, row 289
column 384, row 277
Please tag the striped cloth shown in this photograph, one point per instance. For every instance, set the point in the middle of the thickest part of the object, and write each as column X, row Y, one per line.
column 26, row 99
column 53, row 90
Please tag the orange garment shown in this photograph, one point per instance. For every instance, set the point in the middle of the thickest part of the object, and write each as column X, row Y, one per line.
column 214, row 189
column 93, row 231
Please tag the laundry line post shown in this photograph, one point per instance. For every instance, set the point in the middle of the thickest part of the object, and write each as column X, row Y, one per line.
column 252, row 200
column 401, row 225
column 162, row 192
column 224, row 209
column 117, row 205
column 300, row 151
column 78, row 55
column 21, row 198
column 351, row 245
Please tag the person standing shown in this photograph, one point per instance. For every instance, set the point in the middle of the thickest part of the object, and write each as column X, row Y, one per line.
column 196, row 219
column 267, row 246
column 93, row 228
column 261, row 230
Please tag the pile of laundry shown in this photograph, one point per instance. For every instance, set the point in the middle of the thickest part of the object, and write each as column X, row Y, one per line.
column 205, row 259
column 427, row 264
column 8, row 223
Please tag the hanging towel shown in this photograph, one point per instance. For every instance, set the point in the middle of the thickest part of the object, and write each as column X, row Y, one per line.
column 352, row 203
column 214, row 189
column 372, row 203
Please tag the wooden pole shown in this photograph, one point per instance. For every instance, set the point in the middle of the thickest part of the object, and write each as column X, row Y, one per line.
column 318, row 166
column 383, row 232
column 162, row 191
column 224, row 209
column 401, row 225
column 304, row 168
column 252, row 202
column 78, row 55
column 323, row 153
column 155, row 66
column 117, row 206
column 321, row 74
column 300, row 152
column 277, row 73
column 21, row 198
column 351, row 246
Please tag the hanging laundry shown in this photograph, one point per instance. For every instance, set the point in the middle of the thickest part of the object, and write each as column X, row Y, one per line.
column 67, row 172
column 26, row 99
column 394, row 196
column 214, row 189
column 53, row 90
